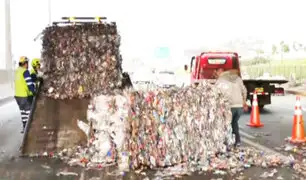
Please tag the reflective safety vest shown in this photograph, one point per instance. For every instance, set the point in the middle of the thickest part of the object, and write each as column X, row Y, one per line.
column 21, row 87
column 33, row 72
column 36, row 80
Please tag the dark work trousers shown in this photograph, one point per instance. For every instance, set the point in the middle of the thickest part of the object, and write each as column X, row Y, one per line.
column 236, row 113
column 24, row 104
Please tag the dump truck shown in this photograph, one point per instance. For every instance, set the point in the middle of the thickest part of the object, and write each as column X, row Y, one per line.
column 52, row 125
column 204, row 66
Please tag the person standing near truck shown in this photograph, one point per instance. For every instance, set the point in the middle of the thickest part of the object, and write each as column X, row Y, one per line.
column 34, row 71
column 24, row 90
column 232, row 85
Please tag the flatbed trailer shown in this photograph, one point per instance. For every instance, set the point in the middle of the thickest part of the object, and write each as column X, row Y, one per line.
column 264, row 90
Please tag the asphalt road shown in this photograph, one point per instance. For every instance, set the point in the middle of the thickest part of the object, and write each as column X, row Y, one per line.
column 277, row 119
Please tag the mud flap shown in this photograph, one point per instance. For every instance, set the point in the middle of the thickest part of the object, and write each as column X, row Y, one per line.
column 52, row 125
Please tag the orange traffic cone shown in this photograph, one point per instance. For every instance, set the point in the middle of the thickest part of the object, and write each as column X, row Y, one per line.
column 255, row 116
column 298, row 135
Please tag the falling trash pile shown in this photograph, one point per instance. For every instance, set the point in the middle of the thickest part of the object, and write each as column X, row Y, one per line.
column 233, row 163
column 81, row 60
column 159, row 128
column 176, row 132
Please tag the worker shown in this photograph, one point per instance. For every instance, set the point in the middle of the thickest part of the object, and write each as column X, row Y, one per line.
column 24, row 90
column 232, row 85
column 34, row 71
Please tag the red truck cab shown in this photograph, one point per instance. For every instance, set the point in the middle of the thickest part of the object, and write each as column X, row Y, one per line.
column 205, row 65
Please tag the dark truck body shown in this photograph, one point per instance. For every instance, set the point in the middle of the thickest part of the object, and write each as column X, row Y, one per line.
column 264, row 88
column 204, row 67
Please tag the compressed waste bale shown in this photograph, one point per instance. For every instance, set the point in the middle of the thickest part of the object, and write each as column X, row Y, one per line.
column 81, row 60
column 109, row 125
column 177, row 125
column 159, row 128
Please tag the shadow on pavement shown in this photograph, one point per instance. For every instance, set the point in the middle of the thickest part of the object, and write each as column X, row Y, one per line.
column 262, row 111
column 266, row 111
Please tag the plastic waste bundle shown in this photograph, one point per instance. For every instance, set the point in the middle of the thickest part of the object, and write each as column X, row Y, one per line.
column 177, row 125
column 106, row 117
column 159, row 128
column 81, row 60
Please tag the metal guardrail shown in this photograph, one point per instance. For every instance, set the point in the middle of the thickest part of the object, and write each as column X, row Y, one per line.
column 294, row 92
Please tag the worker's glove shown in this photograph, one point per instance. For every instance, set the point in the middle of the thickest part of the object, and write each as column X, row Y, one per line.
column 40, row 74
column 245, row 107
column 40, row 80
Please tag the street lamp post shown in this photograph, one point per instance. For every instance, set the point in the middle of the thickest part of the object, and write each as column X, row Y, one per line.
column 8, row 44
column 49, row 12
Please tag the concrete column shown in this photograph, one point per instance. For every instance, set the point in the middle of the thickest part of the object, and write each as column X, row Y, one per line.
column 8, row 44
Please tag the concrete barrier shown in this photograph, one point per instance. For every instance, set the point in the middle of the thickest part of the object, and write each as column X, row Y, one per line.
column 6, row 86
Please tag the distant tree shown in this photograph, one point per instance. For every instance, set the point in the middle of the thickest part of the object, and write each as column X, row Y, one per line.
column 274, row 49
column 259, row 60
column 259, row 52
column 295, row 46
column 298, row 46
column 285, row 48
column 301, row 45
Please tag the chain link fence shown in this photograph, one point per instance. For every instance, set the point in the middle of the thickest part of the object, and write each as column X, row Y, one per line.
column 299, row 71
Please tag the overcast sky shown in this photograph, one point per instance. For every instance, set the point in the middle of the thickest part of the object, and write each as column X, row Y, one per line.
column 178, row 24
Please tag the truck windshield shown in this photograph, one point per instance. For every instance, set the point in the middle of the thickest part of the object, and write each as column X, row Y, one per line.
column 216, row 60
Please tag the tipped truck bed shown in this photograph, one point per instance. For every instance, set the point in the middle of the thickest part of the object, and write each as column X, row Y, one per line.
column 52, row 125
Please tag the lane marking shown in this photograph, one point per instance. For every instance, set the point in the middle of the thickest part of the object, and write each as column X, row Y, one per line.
column 246, row 134
column 263, row 148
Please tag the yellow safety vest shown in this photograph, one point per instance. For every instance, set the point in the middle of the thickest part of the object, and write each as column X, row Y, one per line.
column 21, row 87
column 33, row 72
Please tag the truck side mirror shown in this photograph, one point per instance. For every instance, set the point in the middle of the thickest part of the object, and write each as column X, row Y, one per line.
column 186, row 67
column 191, row 62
